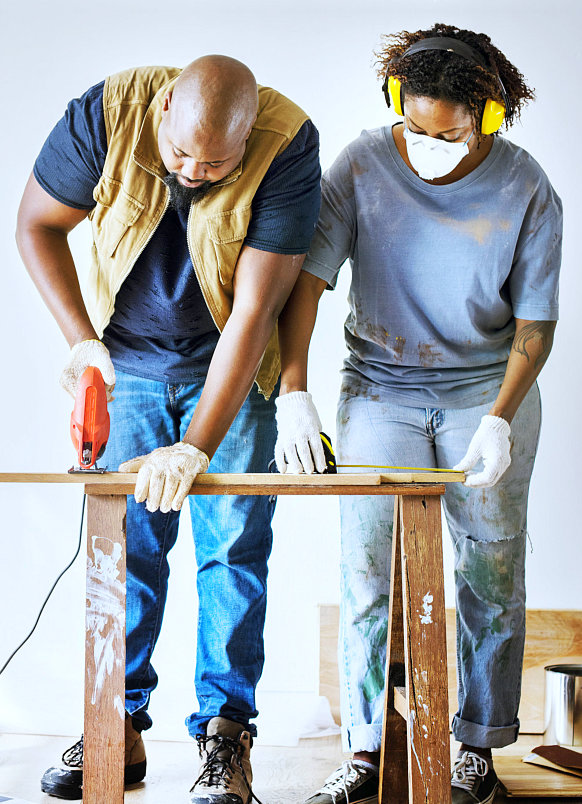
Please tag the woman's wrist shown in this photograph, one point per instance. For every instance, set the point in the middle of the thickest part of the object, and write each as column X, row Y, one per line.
column 290, row 388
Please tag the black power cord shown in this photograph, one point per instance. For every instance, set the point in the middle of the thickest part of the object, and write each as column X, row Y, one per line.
column 69, row 565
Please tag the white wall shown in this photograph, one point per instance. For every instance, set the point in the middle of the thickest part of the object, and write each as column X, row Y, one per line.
column 321, row 54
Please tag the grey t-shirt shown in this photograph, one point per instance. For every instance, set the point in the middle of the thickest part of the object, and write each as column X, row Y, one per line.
column 439, row 273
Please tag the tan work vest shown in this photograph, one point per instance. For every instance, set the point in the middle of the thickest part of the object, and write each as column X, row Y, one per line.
column 131, row 198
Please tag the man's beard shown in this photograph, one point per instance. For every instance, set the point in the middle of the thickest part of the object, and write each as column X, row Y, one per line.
column 181, row 196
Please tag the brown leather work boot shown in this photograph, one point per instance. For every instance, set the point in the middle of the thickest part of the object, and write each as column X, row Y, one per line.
column 225, row 776
column 66, row 781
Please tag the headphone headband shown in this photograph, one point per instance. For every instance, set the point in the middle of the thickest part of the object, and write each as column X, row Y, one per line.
column 449, row 44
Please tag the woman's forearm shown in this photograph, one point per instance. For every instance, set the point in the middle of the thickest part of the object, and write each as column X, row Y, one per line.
column 531, row 346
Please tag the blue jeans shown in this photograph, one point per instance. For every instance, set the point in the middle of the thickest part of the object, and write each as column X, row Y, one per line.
column 233, row 540
column 488, row 530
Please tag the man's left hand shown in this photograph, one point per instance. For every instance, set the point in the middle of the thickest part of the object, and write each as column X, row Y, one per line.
column 491, row 445
column 165, row 475
column 298, row 448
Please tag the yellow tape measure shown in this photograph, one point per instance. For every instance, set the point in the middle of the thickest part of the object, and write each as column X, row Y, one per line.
column 385, row 466
column 332, row 466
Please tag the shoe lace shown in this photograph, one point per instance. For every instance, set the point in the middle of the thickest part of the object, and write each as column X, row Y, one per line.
column 467, row 769
column 217, row 766
column 73, row 756
column 341, row 781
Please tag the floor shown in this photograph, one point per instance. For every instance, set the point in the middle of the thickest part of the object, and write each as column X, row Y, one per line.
column 282, row 775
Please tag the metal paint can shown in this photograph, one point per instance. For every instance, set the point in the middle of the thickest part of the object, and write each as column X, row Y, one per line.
column 563, row 705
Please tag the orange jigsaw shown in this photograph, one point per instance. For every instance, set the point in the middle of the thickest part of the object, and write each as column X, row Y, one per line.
column 90, row 420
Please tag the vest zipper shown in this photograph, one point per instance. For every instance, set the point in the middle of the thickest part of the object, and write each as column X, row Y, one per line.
column 190, row 251
column 138, row 255
column 189, row 242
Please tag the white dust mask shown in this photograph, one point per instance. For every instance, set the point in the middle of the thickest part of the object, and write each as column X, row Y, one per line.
column 431, row 157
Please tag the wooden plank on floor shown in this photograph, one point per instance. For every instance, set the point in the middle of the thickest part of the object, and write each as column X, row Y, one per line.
column 523, row 780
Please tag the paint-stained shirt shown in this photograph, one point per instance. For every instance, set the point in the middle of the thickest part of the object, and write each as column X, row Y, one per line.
column 439, row 272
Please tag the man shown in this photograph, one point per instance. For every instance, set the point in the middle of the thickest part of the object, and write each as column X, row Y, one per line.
column 203, row 193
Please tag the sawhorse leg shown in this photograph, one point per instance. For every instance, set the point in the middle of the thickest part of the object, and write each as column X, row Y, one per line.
column 415, row 755
column 104, row 730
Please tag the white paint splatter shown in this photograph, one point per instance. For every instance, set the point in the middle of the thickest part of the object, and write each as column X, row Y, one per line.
column 119, row 706
column 105, row 615
column 425, row 730
column 432, row 770
column 411, row 728
column 425, row 617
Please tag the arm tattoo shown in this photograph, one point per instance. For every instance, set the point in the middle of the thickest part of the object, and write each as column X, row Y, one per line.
column 541, row 335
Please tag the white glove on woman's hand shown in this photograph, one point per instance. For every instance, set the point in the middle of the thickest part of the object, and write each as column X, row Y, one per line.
column 166, row 474
column 298, row 445
column 83, row 355
column 491, row 445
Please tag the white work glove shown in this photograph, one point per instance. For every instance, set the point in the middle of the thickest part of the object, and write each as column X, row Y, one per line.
column 83, row 355
column 298, row 444
column 491, row 445
column 166, row 474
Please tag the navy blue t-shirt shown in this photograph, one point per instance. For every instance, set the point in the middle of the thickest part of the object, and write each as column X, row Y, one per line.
column 160, row 317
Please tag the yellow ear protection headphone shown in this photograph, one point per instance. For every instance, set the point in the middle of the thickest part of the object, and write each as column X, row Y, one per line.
column 493, row 113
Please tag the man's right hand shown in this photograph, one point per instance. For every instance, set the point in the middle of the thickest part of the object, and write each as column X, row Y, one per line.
column 83, row 355
column 298, row 449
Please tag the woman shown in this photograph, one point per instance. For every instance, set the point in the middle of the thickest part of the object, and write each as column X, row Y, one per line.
column 453, row 235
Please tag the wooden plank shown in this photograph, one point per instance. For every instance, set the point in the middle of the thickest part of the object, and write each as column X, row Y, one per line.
column 104, row 730
column 423, row 477
column 394, row 787
column 44, row 477
column 210, row 479
column 217, row 481
column 425, row 650
column 553, row 636
column 328, row 661
column 282, row 488
column 523, row 780
column 401, row 702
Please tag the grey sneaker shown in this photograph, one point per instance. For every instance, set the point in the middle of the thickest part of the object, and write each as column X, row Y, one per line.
column 353, row 783
column 225, row 776
column 473, row 780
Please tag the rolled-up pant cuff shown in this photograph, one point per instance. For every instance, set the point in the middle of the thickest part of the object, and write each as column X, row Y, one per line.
column 484, row 736
column 362, row 738
column 139, row 716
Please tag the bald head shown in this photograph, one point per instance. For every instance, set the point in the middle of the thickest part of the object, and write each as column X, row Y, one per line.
column 206, row 121
column 218, row 96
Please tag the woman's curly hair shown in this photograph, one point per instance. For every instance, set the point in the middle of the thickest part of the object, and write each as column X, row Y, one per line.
column 440, row 74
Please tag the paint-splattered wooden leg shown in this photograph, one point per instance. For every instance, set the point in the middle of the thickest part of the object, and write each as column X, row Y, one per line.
column 104, row 732
column 426, row 650
column 393, row 755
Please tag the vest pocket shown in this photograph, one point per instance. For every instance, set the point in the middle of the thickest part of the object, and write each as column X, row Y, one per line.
column 227, row 232
column 115, row 212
